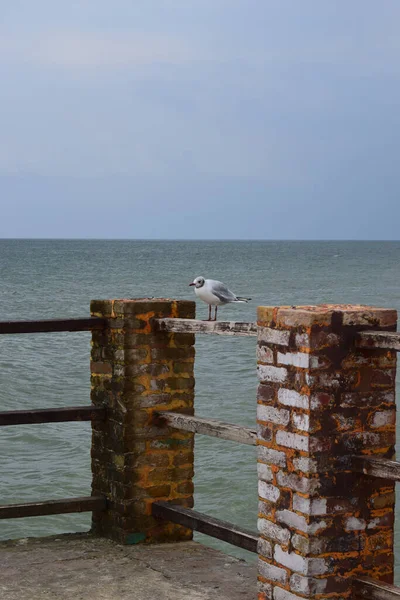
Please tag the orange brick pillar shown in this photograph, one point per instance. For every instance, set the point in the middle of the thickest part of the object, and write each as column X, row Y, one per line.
column 134, row 372
column 321, row 400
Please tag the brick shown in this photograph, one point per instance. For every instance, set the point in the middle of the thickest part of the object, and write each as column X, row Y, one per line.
column 273, row 336
column 292, row 440
column 281, row 594
column 154, row 369
column 301, row 504
column 295, row 359
column 265, row 393
column 264, row 472
column 265, row 354
column 324, row 380
column 302, row 340
column 270, row 373
column 380, row 541
column 317, row 566
column 268, row 491
column 319, row 444
column 297, row 483
column 319, row 506
column 321, row 401
column 301, row 543
column 370, row 316
column 307, row 585
column 264, row 547
column 101, row 308
column 183, row 353
column 306, row 465
column 291, row 560
column 354, row 524
column 383, row 500
column 182, row 459
column 265, row 432
column 101, row 368
column 323, row 339
column 367, row 399
column 301, row 421
column 385, row 520
column 271, row 572
column 271, row 456
column 266, row 509
column 384, row 418
column 264, row 590
column 319, row 362
column 273, row 415
column 293, row 398
column 299, row 522
column 273, row 531
column 266, row 315
column 296, row 562
column 304, row 316
column 292, row 519
column 357, row 441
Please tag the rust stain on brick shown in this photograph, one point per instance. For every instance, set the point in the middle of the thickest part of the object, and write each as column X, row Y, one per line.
column 139, row 461
column 331, row 514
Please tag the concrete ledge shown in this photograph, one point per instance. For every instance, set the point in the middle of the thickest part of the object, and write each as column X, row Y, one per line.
column 80, row 566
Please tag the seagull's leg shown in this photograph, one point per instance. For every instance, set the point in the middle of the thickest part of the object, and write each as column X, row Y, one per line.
column 209, row 313
column 215, row 312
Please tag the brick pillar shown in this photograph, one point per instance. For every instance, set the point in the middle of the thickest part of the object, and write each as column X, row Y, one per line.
column 320, row 401
column 136, row 371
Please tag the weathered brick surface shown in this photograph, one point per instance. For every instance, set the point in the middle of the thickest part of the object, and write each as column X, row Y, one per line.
column 320, row 400
column 135, row 372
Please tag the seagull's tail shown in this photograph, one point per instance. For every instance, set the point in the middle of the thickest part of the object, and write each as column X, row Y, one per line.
column 240, row 299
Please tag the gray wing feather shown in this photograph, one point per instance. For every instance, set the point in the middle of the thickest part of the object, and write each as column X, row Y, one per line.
column 220, row 290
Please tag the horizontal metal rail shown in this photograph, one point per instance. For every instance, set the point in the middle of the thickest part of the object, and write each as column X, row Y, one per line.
column 216, row 327
column 365, row 587
column 227, row 532
column 387, row 340
column 52, row 325
column 52, row 415
column 53, row 507
column 377, row 467
column 211, row 427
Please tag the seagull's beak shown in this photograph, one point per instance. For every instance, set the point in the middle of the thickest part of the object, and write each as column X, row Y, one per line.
column 193, row 283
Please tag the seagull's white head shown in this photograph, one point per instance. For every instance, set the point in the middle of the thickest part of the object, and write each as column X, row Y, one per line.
column 198, row 282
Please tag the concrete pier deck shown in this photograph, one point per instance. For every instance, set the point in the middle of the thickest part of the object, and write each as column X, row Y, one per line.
column 83, row 567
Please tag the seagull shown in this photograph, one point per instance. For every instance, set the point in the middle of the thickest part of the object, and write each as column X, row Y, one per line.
column 214, row 293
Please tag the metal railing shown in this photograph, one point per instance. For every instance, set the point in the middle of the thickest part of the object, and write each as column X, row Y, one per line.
column 52, row 415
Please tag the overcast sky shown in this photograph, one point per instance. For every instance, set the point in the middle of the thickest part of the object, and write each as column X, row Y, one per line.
column 200, row 119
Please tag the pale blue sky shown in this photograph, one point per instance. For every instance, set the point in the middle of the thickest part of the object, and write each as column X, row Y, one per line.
column 200, row 119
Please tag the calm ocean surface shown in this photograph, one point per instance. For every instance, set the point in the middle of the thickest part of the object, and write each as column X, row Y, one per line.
column 48, row 279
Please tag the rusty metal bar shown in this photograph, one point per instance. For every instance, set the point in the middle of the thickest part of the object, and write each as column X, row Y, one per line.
column 52, row 325
column 53, row 507
column 227, row 532
column 52, row 415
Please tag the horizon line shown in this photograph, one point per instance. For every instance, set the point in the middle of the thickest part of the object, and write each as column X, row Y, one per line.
column 98, row 239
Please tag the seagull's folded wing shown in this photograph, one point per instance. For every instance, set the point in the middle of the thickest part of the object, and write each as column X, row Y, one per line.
column 220, row 290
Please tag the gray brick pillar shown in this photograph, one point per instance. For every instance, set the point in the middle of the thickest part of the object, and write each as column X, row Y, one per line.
column 321, row 400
